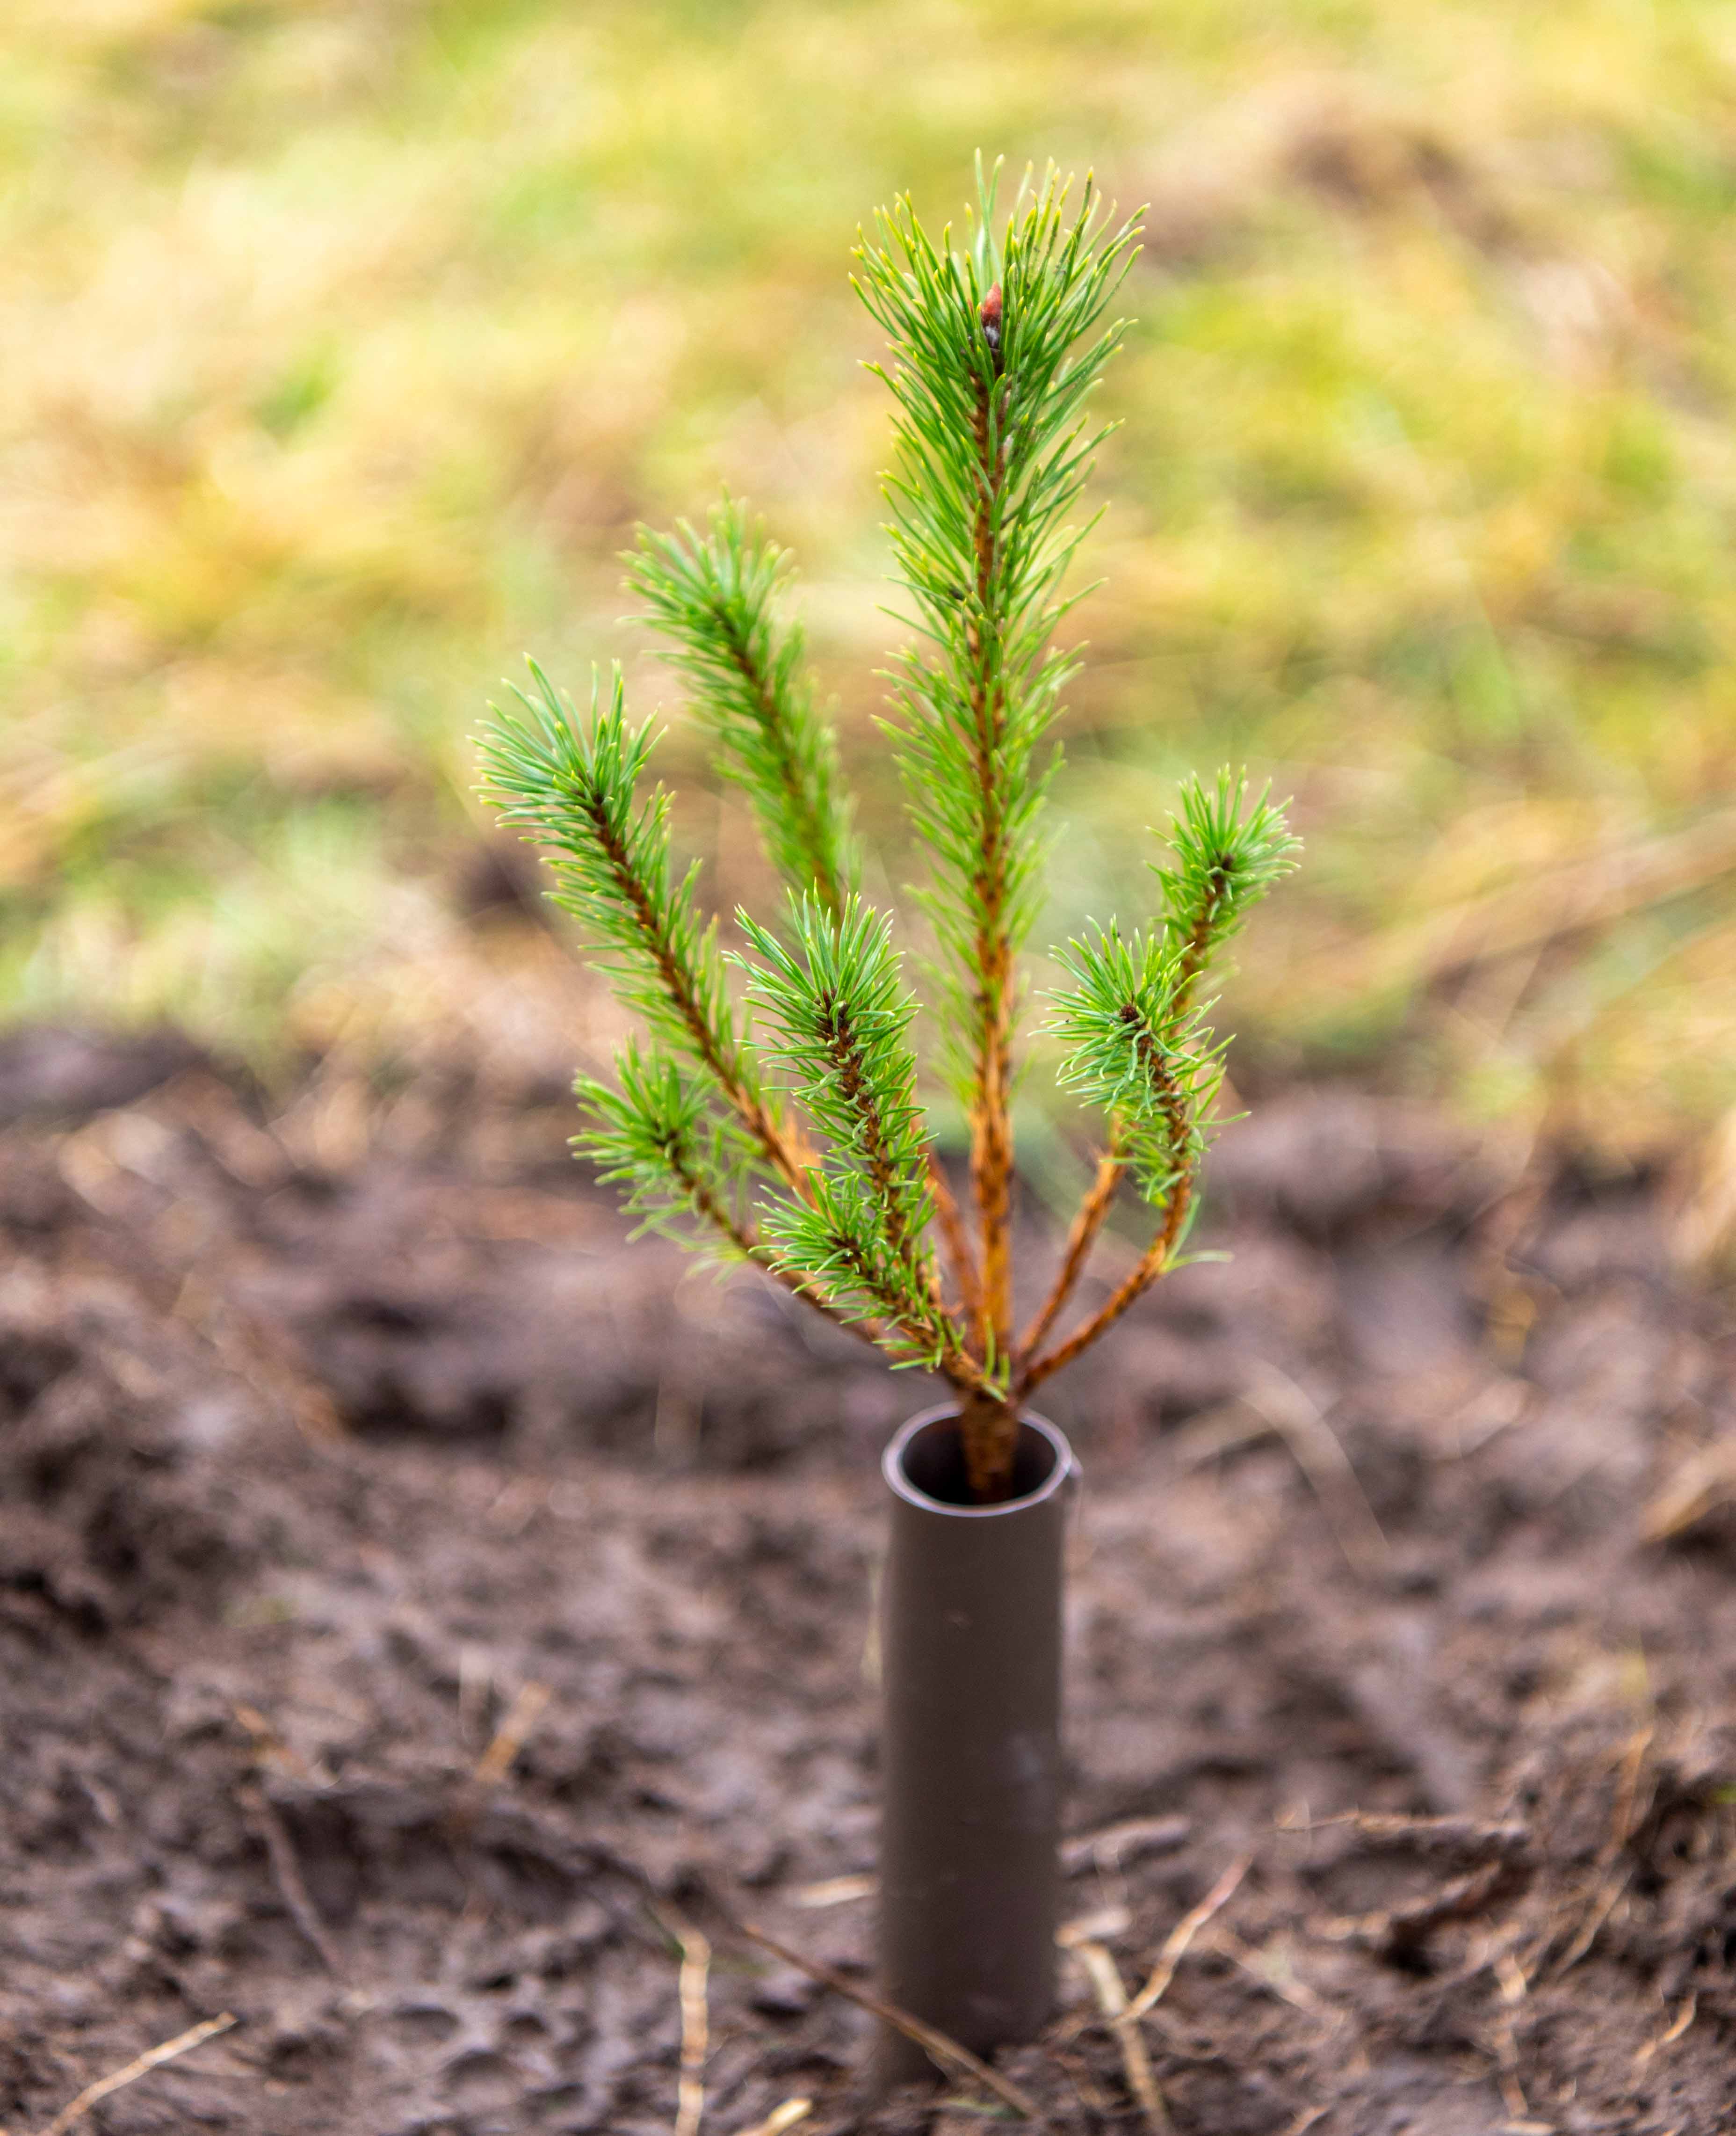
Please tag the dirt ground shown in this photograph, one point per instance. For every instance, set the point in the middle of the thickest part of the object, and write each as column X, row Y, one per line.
column 338, row 1447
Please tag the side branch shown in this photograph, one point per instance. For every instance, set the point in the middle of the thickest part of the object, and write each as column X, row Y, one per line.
column 800, row 1286
column 1133, row 1055
column 804, row 817
column 953, row 1362
column 856, row 1086
column 706, row 1203
column 678, row 984
column 955, row 1238
column 907, row 1244
column 714, row 596
column 839, row 1016
column 1080, row 1238
column 1225, row 861
column 1153, row 1263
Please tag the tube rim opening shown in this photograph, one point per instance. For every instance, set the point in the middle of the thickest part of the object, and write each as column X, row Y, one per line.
column 1064, row 1466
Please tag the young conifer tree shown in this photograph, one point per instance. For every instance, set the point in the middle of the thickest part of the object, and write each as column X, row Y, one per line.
column 779, row 1121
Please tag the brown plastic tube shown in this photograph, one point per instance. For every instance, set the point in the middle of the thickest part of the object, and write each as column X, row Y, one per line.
column 970, row 1750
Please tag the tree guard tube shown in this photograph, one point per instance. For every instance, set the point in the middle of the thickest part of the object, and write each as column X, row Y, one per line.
column 971, row 1663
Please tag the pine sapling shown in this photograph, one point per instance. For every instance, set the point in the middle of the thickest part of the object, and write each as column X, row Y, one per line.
column 778, row 1120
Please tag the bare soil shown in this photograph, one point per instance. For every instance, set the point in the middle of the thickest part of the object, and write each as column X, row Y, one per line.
column 339, row 1446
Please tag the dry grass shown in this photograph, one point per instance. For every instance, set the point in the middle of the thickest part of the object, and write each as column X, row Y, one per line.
column 345, row 343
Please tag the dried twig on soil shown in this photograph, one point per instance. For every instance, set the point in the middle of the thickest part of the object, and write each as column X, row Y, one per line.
column 286, row 1871
column 141, row 2066
column 260, row 1356
column 1704, row 1229
column 1094, row 1927
column 270, row 1747
column 1501, row 1866
column 1602, row 1906
column 1698, row 1485
column 692, row 1985
column 781, row 2118
column 1674, row 2030
column 514, row 1732
column 1626, row 1819
column 1614, row 1874
column 1512, row 2091
column 1315, row 1449
column 1112, row 1999
column 1274, row 1403
column 833, row 1891
column 1471, row 1837
column 1270, row 1965
column 1180, row 1937
column 947, row 2053
column 1117, row 1844
column 1586, row 892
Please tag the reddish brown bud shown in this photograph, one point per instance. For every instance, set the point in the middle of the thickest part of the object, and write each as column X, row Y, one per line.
column 989, row 312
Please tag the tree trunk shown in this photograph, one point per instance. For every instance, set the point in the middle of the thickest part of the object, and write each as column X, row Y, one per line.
column 990, row 1430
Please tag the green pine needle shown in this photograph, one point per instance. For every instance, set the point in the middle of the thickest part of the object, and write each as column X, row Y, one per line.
column 574, row 789
column 991, row 382
column 659, row 1135
column 839, row 1017
column 1225, row 861
column 1132, row 1020
column 1135, row 1051
column 714, row 597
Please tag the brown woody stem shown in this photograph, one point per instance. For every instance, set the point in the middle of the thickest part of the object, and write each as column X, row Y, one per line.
column 988, row 1425
column 991, row 1155
column 1195, row 956
column 1080, row 1240
column 1153, row 1263
column 955, row 1238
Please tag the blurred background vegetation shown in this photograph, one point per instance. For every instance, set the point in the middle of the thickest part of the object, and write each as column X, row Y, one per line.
column 345, row 344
